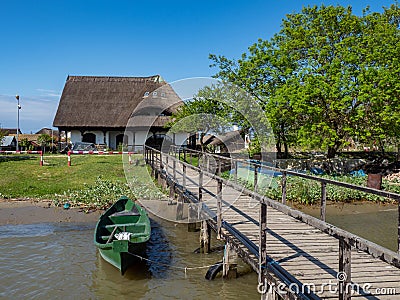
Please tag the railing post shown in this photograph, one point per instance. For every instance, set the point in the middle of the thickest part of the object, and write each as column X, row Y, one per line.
column 191, row 158
column 184, row 154
column 284, row 174
column 323, row 201
column 236, row 171
column 344, row 275
column 262, row 240
column 219, row 167
column 255, row 177
column 398, row 226
column 219, row 208
column 166, row 164
column 200, row 185
column 174, row 169
column 184, row 174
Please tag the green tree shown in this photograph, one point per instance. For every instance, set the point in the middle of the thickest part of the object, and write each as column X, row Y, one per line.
column 380, row 77
column 2, row 134
column 44, row 140
column 203, row 114
column 325, row 77
column 267, row 75
column 24, row 143
column 216, row 109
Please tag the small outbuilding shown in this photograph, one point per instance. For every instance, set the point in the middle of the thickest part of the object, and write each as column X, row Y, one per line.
column 8, row 143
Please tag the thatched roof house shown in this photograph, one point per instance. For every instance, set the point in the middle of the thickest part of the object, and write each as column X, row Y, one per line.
column 100, row 109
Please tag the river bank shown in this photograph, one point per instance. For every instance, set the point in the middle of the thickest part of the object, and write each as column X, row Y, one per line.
column 28, row 211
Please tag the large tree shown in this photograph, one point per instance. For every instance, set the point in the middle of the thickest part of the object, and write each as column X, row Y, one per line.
column 325, row 77
column 380, row 88
column 217, row 109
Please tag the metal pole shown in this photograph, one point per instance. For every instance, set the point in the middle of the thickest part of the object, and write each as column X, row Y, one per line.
column 18, row 108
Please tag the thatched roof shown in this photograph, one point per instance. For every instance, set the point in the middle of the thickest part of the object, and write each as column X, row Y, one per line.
column 30, row 137
column 48, row 131
column 8, row 131
column 91, row 101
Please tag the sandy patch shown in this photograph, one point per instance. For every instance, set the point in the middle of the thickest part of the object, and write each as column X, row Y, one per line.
column 31, row 211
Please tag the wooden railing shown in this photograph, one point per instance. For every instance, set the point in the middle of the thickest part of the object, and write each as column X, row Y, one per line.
column 323, row 181
column 159, row 163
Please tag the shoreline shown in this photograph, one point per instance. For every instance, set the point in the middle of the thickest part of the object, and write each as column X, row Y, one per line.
column 30, row 211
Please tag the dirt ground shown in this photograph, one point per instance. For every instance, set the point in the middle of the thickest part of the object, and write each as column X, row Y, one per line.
column 22, row 211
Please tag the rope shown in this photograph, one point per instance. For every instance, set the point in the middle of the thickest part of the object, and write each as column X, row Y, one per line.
column 185, row 269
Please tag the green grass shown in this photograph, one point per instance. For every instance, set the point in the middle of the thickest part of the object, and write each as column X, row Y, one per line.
column 193, row 160
column 23, row 178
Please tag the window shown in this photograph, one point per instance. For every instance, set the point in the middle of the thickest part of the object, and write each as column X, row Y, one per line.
column 154, row 94
column 146, row 94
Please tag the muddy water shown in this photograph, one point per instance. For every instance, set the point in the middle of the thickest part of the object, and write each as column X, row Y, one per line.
column 375, row 222
column 59, row 261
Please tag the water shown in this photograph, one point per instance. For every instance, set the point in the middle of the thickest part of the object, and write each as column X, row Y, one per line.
column 59, row 260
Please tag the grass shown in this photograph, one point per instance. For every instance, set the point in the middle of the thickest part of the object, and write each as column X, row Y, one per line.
column 23, row 177
column 92, row 181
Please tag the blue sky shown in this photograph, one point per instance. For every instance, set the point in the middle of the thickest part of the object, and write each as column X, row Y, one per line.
column 42, row 42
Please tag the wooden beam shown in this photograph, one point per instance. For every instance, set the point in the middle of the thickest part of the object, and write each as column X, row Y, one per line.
column 284, row 187
column 219, row 208
column 323, row 201
column 344, row 275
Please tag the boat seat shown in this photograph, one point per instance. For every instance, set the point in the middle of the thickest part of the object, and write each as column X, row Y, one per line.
column 123, row 225
column 133, row 235
column 133, row 212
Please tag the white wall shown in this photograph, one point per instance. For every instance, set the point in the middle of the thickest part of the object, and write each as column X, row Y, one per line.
column 112, row 136
column 76, row 136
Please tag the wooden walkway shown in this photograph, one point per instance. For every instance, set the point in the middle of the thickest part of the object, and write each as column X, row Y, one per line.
column 302, row 260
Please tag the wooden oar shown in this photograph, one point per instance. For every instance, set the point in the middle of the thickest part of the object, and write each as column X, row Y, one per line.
column 112, row 235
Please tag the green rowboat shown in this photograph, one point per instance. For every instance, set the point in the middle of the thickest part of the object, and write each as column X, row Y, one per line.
column 122, row 232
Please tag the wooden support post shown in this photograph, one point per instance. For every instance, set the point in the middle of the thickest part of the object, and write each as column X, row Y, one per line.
column 398, row 226
column 172, row 191
column 262, row 239
column 219, row 208
column 208, row 163
column 344, row 275
column 205, row 237
column 323, row 201
column 192, row 217
column 184, row 175
column 229, row 269
column 236, row 171
column 284, row 174
column 184, row 154
column 191, row 158
column 200, row 186
column 166, row 164
column 219, row 166
column 179, row 208
column 152, row 162
column 255, row 177
column 174, row 169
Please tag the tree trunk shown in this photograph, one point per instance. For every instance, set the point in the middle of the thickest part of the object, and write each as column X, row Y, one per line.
column 332, row 150
column 286, row 150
